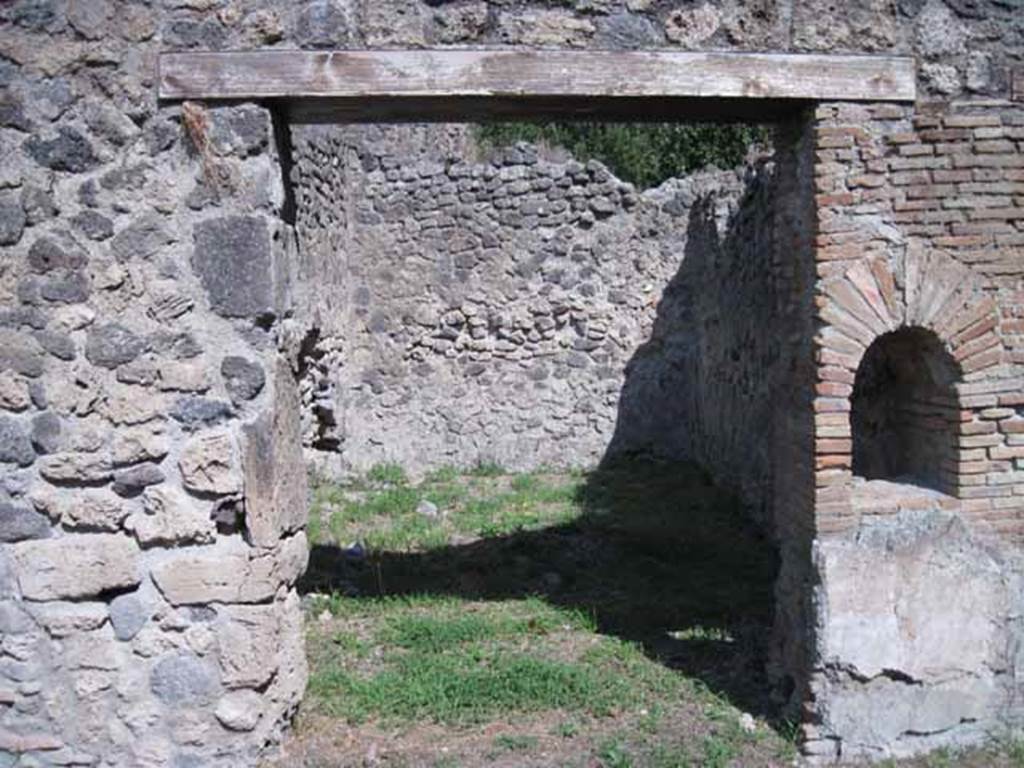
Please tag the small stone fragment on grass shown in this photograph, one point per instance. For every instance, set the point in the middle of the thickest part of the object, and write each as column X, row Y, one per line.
column 747, row 723
column 427, row 508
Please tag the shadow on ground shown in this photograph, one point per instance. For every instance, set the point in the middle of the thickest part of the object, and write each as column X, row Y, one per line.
column 659, row 557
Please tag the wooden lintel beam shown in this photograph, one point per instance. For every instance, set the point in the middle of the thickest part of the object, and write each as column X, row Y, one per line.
column 505, row 74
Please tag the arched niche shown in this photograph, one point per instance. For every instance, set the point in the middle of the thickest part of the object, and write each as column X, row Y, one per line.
column 904, row 415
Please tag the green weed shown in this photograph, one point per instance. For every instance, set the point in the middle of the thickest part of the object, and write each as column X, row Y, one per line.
column 567, row 729
column 613, row 754
column 718, row 751
column 513, row 743
column 387, row 474
column 487, row 469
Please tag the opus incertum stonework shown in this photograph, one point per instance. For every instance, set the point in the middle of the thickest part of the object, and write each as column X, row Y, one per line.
column 199, row 298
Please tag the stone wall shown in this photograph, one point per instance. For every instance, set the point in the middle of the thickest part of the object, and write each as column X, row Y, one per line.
column 152, row 493
column 154, row 311
column 531, row 310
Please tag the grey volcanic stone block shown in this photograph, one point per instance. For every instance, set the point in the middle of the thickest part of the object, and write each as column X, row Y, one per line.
column 625, row 30
column 93, row 225
column 20, row 353
column 111, row 345
column 322, row 24
column 233, row 259
column 132, row 481
column 46, row 431
column 65, row 288
column 183, row 678
column 8, row 582
column 242, row 378
column 141, row 239
column 12, row 220
column 49, row 253
column 242, row 130
column 127, row 615
column 15, row 445
column 58, row 344
column 194, row 412
column 20, row 523
column 69, row 151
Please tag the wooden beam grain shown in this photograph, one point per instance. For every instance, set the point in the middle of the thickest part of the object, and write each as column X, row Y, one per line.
column 505, row 74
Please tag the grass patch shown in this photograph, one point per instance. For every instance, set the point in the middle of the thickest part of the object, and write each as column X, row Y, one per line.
column 387, row 474
column 601, row 610
column 440, row 661
column 381, row 512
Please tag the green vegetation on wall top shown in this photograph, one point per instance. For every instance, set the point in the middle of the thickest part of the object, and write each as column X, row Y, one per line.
column 645, row 154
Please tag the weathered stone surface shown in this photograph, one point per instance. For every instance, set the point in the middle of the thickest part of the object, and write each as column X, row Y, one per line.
column 183, row 679
column 90, row 509
column 14, row 619
column 58, row 344
column 925, row 575
column 123, row 406
column 64, row 287
column 8, row 579
column 50, row 253
column 20, row 523
column 244, row 379
column 551, row 27
column 323, row 24
column 232, row 258
column 64, row 619
column 37, row 741
column 112, row 344
column 208, row 464
column 142, row 239
column 275, row 481
column 292, row 557
column 240, row 710
column 20, row 353
column 196, row 412
column 938, row 30
column 247, row 641
column 133, row 480
column 691, row 26
column 169, row 301
column 170, row 518
column 460, row 23
column 46, row 433
column 242, row 130
column 39, row 204
column 68, row 151
column 892, row 646
column 75, row 566
column 12, row 220
column 184, row 377
column 93, row 225
column 107, row 121
column 14, row 394
column 139, row 443
column 15, row 445
column 624, row 30
column 128, row 613
column 225, row 574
